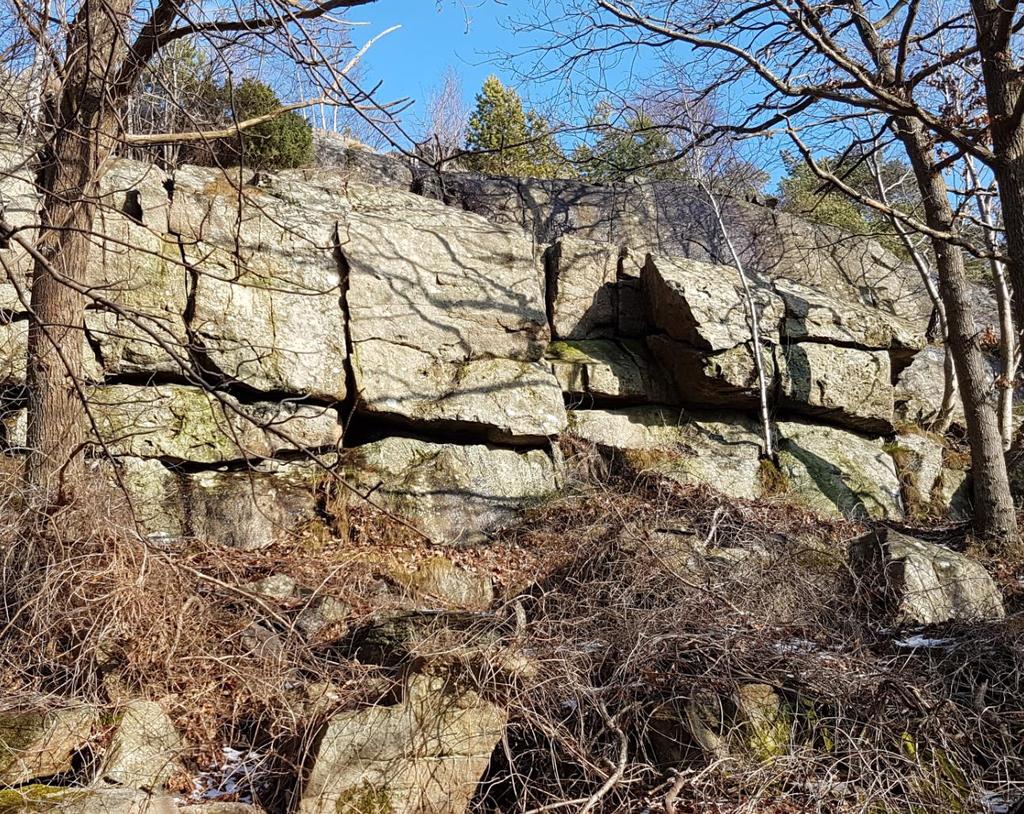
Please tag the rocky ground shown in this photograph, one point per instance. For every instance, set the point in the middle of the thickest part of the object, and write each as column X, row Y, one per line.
column 420, row 493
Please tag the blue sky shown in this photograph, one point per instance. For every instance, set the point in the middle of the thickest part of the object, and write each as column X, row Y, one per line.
column 433, row 36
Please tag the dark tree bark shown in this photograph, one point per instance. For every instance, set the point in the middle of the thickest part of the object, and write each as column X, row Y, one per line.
column 994, row 514
column 83, row 124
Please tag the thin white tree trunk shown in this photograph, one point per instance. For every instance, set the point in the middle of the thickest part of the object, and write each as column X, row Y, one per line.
column 1008, row 351
column 33, row 112
column 944, row 417
column 753, row 321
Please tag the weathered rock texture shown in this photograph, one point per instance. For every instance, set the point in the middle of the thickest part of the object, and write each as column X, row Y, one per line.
column 406, row 321
column 424, row 754
column 914, row 582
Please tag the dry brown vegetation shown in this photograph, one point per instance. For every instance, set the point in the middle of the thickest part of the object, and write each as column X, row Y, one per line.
column 625, row 605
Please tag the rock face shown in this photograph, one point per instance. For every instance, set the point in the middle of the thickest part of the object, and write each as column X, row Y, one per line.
column 451, row 492
column 237, row 324
column 424, row 754
column 919, row 583
column 447, row 319
column 836, row 473
column 598, row 370
column 704, row 305
column 36, row 745
column 177, row 423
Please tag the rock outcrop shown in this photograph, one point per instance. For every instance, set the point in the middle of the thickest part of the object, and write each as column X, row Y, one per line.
column 235, row 330
column 910, row 581
column 426, row 753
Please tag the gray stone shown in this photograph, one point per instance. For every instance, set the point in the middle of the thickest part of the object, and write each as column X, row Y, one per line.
column 425, row 754
column 189, row 424
column 39, row 744
column 451, row 492
column 447, row 318
column 77, row 800
column 832, row 471
column 931, row 488
column 19, row 207
column 605, row 369
column 322, row 613
column 811, row 314
column 439, row 582
column 138, row 281
column 681, row 446
column 13, row 350
column 921, row 583
column 727, row 378
column 704, row 305
column 581, row 282
column 920, row 385
column 749, row 724
column 267, row 291
column 838, row 473
column 145, row 750
column 846, row 386
column 248, row 509
column 276, row 586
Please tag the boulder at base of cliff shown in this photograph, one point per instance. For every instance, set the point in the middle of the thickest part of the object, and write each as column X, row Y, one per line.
column 145, row 749
column 452, row 492
column 832, row 471
column 426, row 753
column 40, row 744
column 913, row 582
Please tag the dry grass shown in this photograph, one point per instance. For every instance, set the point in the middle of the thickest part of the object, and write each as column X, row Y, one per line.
column 622, row 603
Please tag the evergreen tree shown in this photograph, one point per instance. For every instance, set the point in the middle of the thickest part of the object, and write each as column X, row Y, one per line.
column 640, row 150
column 283, row 142
column 507, row 139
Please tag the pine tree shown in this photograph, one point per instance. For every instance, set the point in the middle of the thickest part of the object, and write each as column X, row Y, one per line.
column 507, row 139
column 639, row 150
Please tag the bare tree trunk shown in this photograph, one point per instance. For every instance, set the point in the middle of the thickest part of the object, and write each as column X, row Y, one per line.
column 1007, row 336
column 1004, row 91
column 944, row 417
column 84, row 129
column 994, row 516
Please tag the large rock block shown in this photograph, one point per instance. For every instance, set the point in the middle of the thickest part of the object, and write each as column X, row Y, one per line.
column 447, row 318
column 145, row 749
column 678, row 445
column 914, row 582
column 727, row 378
column 704, row 305
column 840, row 385
column 452, row 493
column 40, row 744
column 814, row 315
column 608, row 370
column 838, row 473
column 138, row 282
column 845, row 386
column 246, row 509
column 581, row 288
column 425, row 754
column 266, row 282
column 833, row 472
column 188, row 424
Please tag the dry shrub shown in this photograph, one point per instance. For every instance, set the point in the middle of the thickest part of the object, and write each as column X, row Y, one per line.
column 669, row 598
column 94, row 612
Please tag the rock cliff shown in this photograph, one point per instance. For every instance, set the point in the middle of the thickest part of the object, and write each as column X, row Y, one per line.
column 431, row 338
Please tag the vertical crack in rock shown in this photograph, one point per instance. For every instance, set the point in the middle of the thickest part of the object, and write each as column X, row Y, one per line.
column 348, row 407
column 552, row 257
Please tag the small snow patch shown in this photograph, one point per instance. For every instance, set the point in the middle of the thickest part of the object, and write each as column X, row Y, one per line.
column 917, row 640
